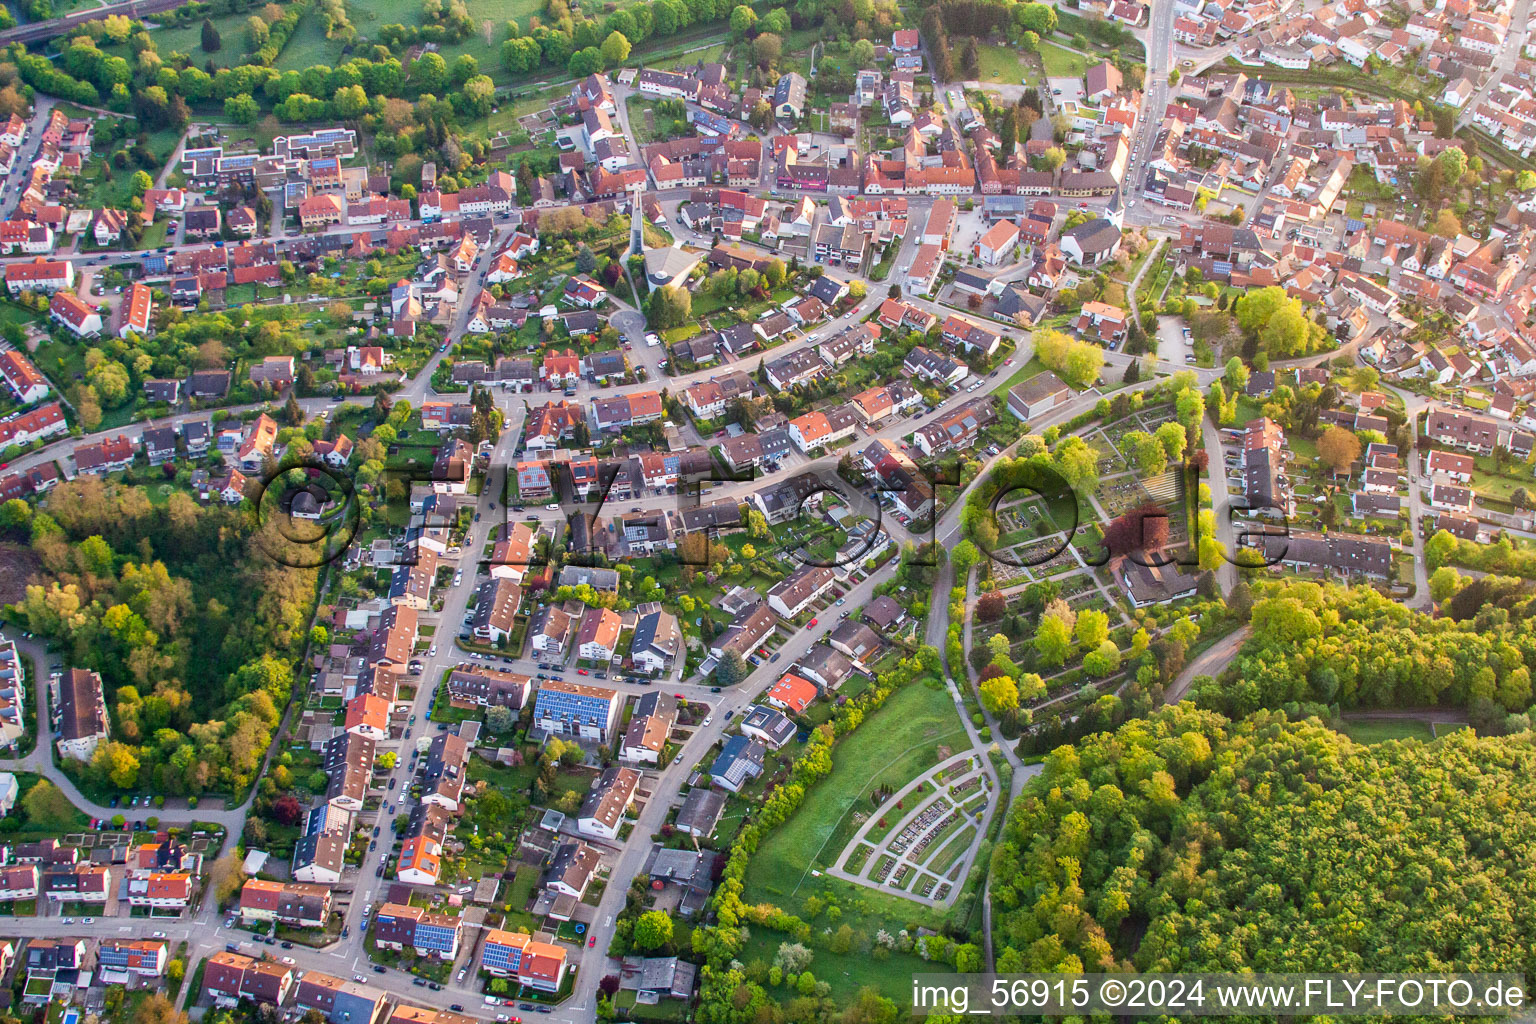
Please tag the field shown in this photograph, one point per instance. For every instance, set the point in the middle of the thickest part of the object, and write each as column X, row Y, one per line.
column 1000, row 65
column 1061, row 62
column 1381, row 730
column 308, row 46
column 893, row 747
column 188, row 39
column 847, row 972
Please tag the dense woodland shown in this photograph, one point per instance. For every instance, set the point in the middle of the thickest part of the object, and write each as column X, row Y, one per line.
column 192, row 626
column 1189, row 842
column 1354, row 648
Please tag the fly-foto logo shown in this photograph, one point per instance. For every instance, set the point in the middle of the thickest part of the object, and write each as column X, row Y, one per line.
column 1029, row 516
column 307, row 513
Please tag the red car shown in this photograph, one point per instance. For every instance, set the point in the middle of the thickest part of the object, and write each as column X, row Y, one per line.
column 582, row 672
column 813, row 622
column 680, row 696
column 592, row 941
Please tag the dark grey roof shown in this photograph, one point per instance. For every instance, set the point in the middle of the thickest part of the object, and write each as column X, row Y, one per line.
column 701, row 811
column 1017, row 299
column 1094, row 235
column 771, row 722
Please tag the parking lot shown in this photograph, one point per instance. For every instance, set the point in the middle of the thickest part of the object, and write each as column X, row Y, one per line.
column 1174, row 345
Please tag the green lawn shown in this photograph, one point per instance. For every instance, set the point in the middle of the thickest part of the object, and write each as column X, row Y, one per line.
column 48, row 810
column 893, row 747
column 532, row 102
column 1001, row 65
column 490, row 18
column 518, row 896
column 1032, row 368
column 102, row 183
column 1388, row 729
column 1486, row 480
column 308, row 45
column 847, row 972
column 1062, row 63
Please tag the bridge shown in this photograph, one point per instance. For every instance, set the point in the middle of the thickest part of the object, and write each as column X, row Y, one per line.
column 41, row 30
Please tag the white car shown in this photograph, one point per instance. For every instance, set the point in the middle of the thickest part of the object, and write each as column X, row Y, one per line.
column 432, row 651
column 552, row 507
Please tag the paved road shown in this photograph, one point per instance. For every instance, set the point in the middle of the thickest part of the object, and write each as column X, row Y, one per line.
column 1157, row 39
column 21, row 168
column 1414, row 406
column 1209, row 662
column 1221, row 502
column 1504, row 60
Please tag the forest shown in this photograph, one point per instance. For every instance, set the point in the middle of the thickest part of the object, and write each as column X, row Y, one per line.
column 1352, row 647
column 193, row 628
column 1185, row 842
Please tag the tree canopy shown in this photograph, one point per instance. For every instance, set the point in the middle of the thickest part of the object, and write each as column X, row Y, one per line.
column 1184, row 842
